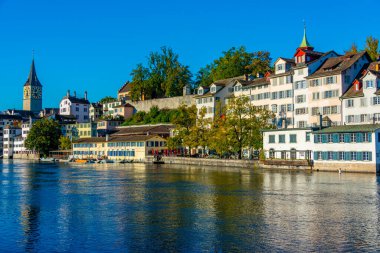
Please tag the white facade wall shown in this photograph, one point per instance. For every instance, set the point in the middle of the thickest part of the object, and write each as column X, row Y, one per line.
column 364, row 109
column 79, row 110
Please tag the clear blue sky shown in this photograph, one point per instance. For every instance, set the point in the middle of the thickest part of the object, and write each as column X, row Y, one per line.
column 93, row 45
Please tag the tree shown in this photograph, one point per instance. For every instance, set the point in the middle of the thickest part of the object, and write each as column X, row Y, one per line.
column 164, row 76
column 353, row 49
column 43, row 136
column 234, row 62
column 244, row 122
column 371, row 47
column 64, row 143
column 199, row 133
column 107, row 99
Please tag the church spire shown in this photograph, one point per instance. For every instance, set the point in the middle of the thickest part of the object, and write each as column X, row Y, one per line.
column 32, row 78
column 305, row 44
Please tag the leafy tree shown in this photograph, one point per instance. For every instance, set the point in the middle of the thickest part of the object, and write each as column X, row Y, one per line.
column 371, row 47
column 199, row 133
column 244, row 122
column 164, row 76
column 353, row 49
column 219, row 139
column 43, row 136
column 234, row 62
column 64, row 143
column 107, row 99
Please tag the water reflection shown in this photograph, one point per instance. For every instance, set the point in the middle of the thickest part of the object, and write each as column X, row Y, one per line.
column 183, row 208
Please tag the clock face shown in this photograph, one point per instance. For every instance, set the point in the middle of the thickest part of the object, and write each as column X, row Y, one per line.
column 26, row 92
column 36, row 92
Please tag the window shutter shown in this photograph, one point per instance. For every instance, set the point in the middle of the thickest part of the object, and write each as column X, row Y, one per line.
column 359, row 156
column 315, row 155
column 369, row 156
column 335, row 138
column 359, row 137
column 324, row 155
column 335, row 155
column 315, row 139
column 334, row 79
column 324, row 138
column 369, row 137
column 324, row 80
column 347, row 156
column 347, row 138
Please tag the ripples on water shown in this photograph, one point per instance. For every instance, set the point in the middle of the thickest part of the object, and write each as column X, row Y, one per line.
column 139, row 208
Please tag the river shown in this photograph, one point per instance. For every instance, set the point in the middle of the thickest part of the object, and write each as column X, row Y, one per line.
column 171, row 208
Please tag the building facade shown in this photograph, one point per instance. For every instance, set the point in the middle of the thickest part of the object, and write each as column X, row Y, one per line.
column 32, row 92
column 77, row 107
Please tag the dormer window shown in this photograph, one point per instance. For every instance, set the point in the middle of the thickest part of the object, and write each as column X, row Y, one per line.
column 200, row 91
column 213, row 89
column 237, row 88
column 280, row 67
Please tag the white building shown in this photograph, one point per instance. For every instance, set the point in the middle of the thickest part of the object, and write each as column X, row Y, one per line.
column 352, row 148
column 78, row 107
column 10, row 134
column 361, row 102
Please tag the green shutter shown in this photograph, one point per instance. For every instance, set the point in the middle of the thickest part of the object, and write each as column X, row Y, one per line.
column 335, row 156
column 324, row 138
column 347, row 156
column 369, row 137
column 359, row 156
column 315, row 138
column 335, row 138
column 347, row 138
column 359, row 137
column 315, row 155
column 324, row 155
column 369, row 156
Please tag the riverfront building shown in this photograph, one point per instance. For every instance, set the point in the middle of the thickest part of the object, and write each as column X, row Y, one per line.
column 74, row 106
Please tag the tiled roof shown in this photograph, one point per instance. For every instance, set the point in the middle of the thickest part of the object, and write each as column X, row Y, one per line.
column 254, row 82
column 126, row 87
column 136, row 130
column 77, row 100
column 32, row 78
column 349, row 128
column 335, row 65
column 116, row 138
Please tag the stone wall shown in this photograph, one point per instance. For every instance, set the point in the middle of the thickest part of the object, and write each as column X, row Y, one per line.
column 26, row 156
column 161, row 103
column 345, row 167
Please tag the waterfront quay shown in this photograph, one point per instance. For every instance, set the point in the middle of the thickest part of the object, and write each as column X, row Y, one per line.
column 166, row 208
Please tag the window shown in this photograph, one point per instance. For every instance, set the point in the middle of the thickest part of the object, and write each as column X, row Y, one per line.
column 319, row 155
column 281, row 138
column 77, row 109
column 353, row 137
column 300, row 99
column 369, row 83
column 200, row 91
column 354, row 156
column 300, row 111
column 290, row 107
column 289, row 79
column 330, row 155
column 314, row 83
column 280, row 66
column 293, row 138
column 315, row 95
column 213, row 89
column 274, row 95
column 330, row 93
column 289, row 93
column 300, row 85
column 376, row 100
column 366, row 137
column 272, row 138
column 281, row 80
column 271, row 153
column 302, row 124
column 283, row 108
column 314, row 111
column 330, row 80
column 274, row 82
column 237, row 88
column 274, row 108
column 308, row 136
column 349, row 103
column 341, row 138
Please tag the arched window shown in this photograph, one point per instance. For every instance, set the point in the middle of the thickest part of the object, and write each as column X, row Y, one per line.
column 271, row 153
column 293, row 154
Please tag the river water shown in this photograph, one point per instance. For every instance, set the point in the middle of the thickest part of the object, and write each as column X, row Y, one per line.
column 167, row 208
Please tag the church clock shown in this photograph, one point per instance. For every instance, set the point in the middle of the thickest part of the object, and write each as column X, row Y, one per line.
column 36, row 92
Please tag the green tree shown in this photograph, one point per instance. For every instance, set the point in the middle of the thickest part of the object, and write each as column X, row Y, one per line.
column 353, row 49
column 199, row 133
column 234, row 62
column 164, row 76
column 64, row 143
column 371, row 47
column 43, row 136
column 107, row 99
column 244, row 122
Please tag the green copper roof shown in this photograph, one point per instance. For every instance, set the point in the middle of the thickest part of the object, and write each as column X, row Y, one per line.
column 349, row 129
column 304, row 42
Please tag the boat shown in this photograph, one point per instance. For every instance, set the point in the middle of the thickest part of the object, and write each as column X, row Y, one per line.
column 81, row 161
column 47, row 159
column 105, row 161
column 126, row 161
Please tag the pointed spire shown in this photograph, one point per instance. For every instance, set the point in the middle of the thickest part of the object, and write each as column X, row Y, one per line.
column 32, row 78
column 305, row 43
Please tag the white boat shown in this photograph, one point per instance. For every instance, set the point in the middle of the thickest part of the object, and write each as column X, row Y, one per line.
column 47, row 159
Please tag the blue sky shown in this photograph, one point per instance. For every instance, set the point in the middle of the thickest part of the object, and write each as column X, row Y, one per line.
column 94, row 45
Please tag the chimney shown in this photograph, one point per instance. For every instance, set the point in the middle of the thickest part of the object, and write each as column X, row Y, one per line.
column 68, row 93
column 377, row 66
column 75, row 94
column 107, row 137
column 320, row 120
column 246, row 77
column 85, row 95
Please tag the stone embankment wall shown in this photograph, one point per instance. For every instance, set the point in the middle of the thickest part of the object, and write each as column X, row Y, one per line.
column 161, row 103
column 26, row 156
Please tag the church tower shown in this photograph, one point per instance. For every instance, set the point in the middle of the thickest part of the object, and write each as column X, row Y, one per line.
column 32, row 99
